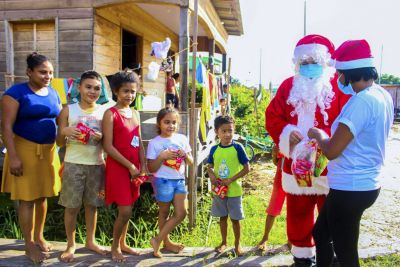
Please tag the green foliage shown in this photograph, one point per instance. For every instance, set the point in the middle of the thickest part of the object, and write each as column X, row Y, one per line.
column 235, row 82
column 382, row 261
column 389, row 79
column 199, row 92
column 242, row 102
column 143, row 224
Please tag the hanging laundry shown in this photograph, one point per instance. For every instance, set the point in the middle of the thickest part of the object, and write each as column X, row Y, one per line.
column 160, row 49
column 154, row 69
column 210, row 84
column 205, row 76
column 199, row 73
column 139, row 101
column 61, row 86
column 215, row 92
column 167, row 65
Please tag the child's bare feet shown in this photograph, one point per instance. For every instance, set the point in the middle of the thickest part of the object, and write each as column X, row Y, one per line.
column 156, row 248
column 221, row 248
column 239, row 251
column 289, row 245
column 263, row 245
column 68, row 254
column 44, row 245
column 116, row 255
column 96, row 248
column 34, row 253
column 129, row 250
column 173, row 247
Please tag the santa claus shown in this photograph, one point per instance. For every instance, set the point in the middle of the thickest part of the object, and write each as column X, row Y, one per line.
column 308, row 99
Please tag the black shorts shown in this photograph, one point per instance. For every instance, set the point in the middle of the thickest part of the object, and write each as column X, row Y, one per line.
column 172, row 99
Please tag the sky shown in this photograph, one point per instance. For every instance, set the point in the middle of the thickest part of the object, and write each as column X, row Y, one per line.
column 275, row 26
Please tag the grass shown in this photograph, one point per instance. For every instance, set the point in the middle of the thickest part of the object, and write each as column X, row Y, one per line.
column 382, row 261
column 143, row 225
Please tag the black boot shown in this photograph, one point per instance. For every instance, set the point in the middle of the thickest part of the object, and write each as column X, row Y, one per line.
column 304, row 262
column 335, row 262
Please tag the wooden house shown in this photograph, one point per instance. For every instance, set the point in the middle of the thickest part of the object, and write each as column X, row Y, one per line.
column 109, row 35
column 394, row 91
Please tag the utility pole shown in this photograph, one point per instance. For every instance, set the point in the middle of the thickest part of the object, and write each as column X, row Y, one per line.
column 255, row 94
column 305, row 17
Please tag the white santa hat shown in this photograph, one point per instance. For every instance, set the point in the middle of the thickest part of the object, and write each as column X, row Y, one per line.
column 353, row 54
column 315, row 46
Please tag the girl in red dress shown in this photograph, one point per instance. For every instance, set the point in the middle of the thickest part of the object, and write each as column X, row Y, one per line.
column 125, row 157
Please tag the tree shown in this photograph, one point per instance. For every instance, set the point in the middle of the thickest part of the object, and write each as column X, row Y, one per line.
column 389, row 79
column 235, row 82
column 242, row 103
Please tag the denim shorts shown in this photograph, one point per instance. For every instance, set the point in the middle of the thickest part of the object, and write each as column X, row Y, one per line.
column 165, row 189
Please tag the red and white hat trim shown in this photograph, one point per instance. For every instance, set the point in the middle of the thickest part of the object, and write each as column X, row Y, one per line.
column 354, row 64
column 353, row 54
column 314, row 46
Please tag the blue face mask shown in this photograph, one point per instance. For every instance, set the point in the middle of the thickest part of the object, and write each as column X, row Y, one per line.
column 311, row 70
column 346, row 89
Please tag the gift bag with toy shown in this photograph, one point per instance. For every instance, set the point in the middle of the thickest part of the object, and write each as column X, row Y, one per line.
column 303, row 164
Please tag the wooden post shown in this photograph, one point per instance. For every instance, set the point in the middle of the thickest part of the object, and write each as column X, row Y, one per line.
column 193, row 128
column 211, row 52
column 228, row 83
column 9, row 47
column 223, row 63
column 184, row 55
column 9, row 80
column 57, row 59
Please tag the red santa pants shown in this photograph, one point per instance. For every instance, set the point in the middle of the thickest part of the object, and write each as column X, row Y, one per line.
column 278, row 195
column 300, row 222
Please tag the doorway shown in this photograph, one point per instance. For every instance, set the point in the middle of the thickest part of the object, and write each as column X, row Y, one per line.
column 131, row 51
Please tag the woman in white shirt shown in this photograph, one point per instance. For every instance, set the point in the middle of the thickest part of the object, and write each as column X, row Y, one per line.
column 356, row 152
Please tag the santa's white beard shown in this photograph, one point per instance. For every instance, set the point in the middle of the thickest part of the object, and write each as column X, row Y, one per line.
column 306, row 95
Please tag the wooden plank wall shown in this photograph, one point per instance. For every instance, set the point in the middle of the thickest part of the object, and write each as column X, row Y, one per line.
column 32, row 36
column 132, row 18
column 75, row 45
column 106, row 46
column 74, row 34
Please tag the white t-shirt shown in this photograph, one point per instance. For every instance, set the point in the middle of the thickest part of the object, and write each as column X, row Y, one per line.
column 158, row 144
column 369, row 116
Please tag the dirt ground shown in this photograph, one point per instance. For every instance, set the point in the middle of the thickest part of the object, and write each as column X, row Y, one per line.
column 261, row 177
column 380, row 225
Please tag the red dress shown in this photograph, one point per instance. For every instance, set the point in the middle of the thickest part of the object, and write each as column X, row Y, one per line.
column 119, row 189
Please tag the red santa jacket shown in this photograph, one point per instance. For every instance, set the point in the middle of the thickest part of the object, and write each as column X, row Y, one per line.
column 280, row 123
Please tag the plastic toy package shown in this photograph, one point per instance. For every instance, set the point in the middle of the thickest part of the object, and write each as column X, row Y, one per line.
column 137, row 181
column 320, row 163
column 219, row 189
column 85, row 133
column 174, row 163
column 303, row 164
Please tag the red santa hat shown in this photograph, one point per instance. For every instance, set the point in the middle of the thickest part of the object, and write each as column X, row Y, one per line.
column 315, row 46
column 353, row 54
